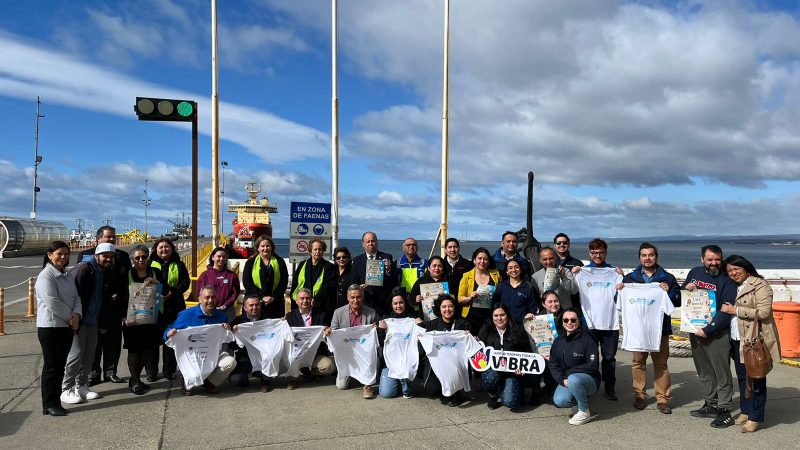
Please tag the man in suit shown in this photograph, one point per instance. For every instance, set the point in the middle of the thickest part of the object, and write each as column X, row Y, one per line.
column 305, row 316
column 240, row 377
column 355, row 313
column 375, row 297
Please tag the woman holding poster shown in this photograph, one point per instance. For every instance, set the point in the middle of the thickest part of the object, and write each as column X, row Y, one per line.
column 575, row 366
column 476, row 290
column 141, row 339
column 501, row 333
column 753, row 310
column 424, row 292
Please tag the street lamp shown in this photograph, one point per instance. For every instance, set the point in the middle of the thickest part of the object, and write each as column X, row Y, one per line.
column 36, row 160
column 223, row 164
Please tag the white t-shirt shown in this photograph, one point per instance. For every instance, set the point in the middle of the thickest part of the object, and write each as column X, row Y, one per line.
column 448, row 353
column 197, row 351
column 400, row 348
column 302, row 351
column 643, row 306
column 597, row 286
column 266, row 342
column 355, row 350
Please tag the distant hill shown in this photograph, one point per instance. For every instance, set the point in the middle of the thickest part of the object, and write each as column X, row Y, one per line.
column 716, row 238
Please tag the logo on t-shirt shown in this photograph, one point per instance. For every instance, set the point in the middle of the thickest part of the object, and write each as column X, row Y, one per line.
column 598, row 284
column 359, row 341
column 446, row 345
column 262, row 336
column 642, row 301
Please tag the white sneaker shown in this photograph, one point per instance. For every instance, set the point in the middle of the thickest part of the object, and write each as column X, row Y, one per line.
column 87, row 394
column 580, row 418
column 71, row 396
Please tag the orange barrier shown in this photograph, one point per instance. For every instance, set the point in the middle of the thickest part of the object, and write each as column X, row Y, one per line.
column 787, row 319
column 31, row 298
column 2, row 312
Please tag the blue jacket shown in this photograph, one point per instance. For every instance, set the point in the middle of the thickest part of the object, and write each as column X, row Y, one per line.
column 195, row 317
column 501, row 262
column 674, row 291
column 520, row 300
column 724, row 290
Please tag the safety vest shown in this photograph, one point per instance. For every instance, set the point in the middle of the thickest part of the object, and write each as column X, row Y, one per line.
column 172, row 274
column 410, row 275
column 257, row 272
column 301, row 281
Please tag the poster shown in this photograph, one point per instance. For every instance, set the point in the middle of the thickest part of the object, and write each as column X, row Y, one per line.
column 697, row 309
column 551, row 279
column 484, row 298
column 542, row 329
column 374, row 276
column 429, row 293
column 143, row 303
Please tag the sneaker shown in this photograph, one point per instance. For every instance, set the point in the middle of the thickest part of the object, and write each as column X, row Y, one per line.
column 71, row 396
column 87, row 394
column 580, row 418
column 409, row 395
column 723, row 420
column 706, row 411
column 639, row 403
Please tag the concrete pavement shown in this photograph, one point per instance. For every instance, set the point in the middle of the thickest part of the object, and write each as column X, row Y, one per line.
column 317, row 415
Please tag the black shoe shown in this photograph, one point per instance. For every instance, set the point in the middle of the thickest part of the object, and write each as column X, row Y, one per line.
column 94, row 381
column 144, row 385
column 612, row 396
column 138, row 389
column 455, row 400
column 169, row 376
column 444, row 400
column 723, row 420
column 55, row 411
column 535, row 400
column 706, row 411
column 114, row 378
column 152, row 378
column 493, row 402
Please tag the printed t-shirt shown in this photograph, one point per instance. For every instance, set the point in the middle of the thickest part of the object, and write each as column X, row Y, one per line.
column 400, row 348
column 302, row 350
column 448, row 353
column 355, row 351
column 597, row 286
column 266, row 342
column 197, row 351
column 643, row 306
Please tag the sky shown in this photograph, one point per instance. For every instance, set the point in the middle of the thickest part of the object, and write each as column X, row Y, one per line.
column 639, row 118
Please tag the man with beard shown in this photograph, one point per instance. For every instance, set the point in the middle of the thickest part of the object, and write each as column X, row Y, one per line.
column 711, row 344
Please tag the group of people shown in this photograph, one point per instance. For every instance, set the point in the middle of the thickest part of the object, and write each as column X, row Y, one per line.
column 489, row 297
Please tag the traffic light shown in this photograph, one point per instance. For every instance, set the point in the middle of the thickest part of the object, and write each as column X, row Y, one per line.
column 164, row 109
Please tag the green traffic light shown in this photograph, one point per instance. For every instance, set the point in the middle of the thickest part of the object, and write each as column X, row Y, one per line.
column 185, row 109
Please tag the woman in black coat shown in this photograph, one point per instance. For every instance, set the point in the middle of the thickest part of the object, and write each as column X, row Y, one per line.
column 502, row 333
column 265, row 275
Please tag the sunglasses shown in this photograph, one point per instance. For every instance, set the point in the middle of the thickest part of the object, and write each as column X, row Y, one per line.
column 341, row 258
column 562, row 243
column 569, row 320
column 139, row 258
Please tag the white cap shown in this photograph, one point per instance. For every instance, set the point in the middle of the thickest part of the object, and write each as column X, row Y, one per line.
column 105, row 247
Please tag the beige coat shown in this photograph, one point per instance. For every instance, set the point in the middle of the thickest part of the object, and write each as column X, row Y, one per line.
column 755, row 301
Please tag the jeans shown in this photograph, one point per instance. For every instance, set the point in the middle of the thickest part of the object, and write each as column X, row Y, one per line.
column 505, row 385
column 754, row 406
column 55, row 344
column 391, row 387
column 81, row 356
column 581, row 386
column 609, row 341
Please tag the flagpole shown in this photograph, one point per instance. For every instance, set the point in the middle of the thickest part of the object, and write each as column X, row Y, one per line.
column 214, row 128
column 334, row 127
column 445, row 126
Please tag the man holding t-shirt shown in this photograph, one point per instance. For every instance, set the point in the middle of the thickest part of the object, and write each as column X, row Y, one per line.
column 711, row 344
column 650, row 272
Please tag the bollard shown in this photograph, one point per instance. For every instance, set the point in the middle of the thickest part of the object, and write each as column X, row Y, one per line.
column 2, row 312
column 31, row 299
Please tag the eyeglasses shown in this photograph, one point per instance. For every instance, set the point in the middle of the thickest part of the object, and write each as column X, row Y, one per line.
column 341, row 258
column 597, row 253
column 569, row 320
column 139, row 258
column 562, row 243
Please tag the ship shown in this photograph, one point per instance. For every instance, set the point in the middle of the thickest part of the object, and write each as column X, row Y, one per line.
column 181, row 228
column 251, row 221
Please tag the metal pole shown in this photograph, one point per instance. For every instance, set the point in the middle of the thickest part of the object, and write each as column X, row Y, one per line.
column 2, row 312
column 334, row 127
column 223, row 164
column 214, row 128
column 36, row 159
column 193, row 270
column 31, row 298
column 146, row 202
column 445, row 125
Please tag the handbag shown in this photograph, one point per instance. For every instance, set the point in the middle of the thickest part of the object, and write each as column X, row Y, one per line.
column 756, row 356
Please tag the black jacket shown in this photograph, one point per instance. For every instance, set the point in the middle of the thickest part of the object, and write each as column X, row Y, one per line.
column 457, row 270
column 325, row 298
column 275, row 309
column 438, row 324
column 576, row 353
column 376, row 297
column 512, row 341
column 412, row 296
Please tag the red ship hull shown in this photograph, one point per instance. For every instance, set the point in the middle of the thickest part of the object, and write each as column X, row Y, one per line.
column 245, row 234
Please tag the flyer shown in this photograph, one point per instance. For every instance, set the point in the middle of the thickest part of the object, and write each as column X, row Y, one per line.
column 484, row 298
column 429, row 293
column 542, row 329
column 551, row 278
column 374, row 276
column 143, row 303
column 697, row 309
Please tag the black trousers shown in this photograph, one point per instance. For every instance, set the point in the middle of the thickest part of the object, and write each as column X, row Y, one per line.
column 109, row 348
column 608, row 340
column 169, row 363
column 55, row 343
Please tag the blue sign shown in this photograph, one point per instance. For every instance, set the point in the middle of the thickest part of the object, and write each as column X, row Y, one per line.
column 319, row 229
column 310, row 212
column 302, row 229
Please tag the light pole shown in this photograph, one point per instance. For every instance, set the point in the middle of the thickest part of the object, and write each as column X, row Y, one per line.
column 223, row 164
column 146, row 202
column 37, row 159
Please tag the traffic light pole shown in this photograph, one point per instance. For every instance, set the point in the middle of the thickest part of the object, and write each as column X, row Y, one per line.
column 194, row 204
